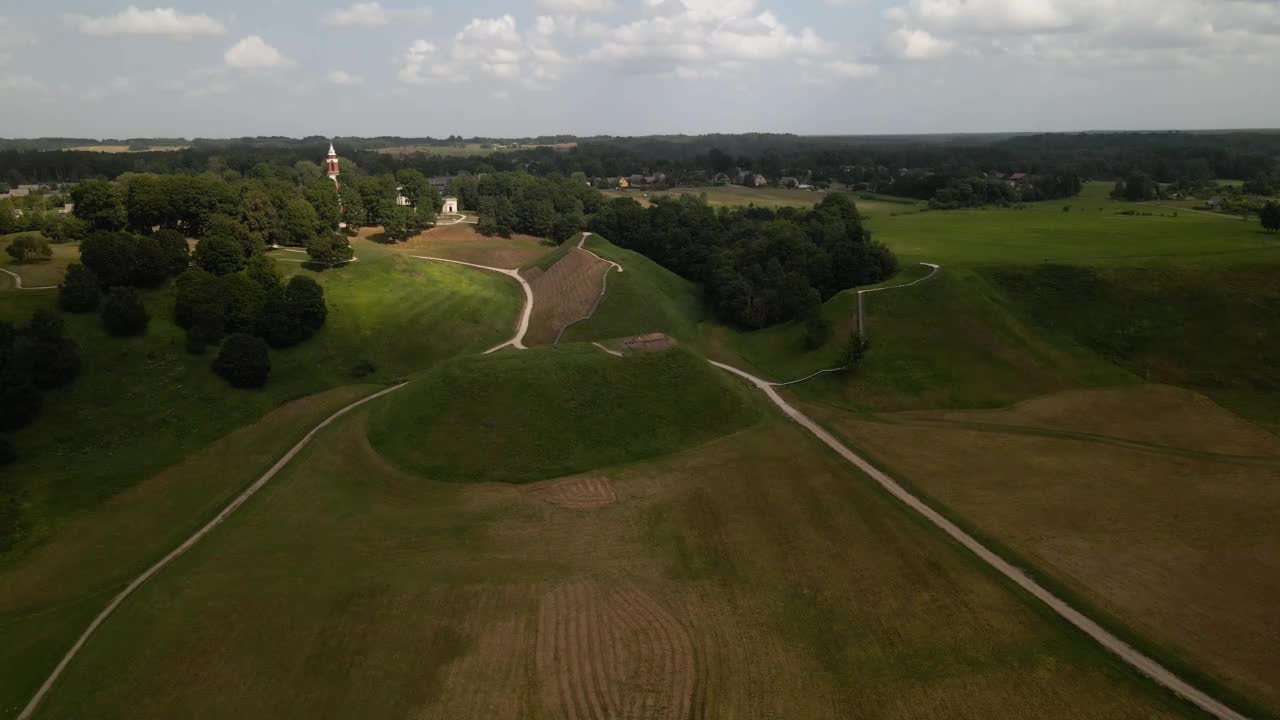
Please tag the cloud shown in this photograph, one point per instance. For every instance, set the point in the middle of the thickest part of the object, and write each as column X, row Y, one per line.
column 159, row 22
column 844, row 68
column 372, row 14
column 910, row 44
column 584, row 7
column 118, row 85
column 342, row 77
column 12, row 37
column 254, row 53
column 1079, row 32
column 694, row 38
column 494, row 47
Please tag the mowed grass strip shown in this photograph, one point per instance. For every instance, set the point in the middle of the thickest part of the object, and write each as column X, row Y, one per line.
column 143, row 404
column 523, row 416
column 754, row 576
column 37, row 272
column 567, row 292
column 1134, row 500
column 644, row 298
column 48, row 596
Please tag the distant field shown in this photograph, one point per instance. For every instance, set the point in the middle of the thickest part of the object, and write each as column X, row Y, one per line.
column 462, row 242
column 37, row 273
column 1151, row 502
column 698, row 585
column 737, row 195
column 125, row 148
column 468, row 150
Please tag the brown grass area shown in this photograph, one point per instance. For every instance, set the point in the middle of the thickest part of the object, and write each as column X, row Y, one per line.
column 1155, row 414
column 582, row 493
column 1184, row 547
column 566, row 292
column 754, row 577
column 462, row 242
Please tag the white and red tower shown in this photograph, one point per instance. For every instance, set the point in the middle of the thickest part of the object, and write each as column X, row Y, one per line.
column 331, row 164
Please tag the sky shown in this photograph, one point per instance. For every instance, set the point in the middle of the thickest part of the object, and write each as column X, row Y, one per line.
column 517, row 68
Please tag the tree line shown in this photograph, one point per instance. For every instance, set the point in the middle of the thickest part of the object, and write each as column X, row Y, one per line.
column 758, row 266
column 554, row 207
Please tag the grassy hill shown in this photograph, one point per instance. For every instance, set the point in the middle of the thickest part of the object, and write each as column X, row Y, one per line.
column 645, row 298
column 142, row 404
column 518, row 417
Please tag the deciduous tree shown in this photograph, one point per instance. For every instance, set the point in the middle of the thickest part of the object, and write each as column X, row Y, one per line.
column 79, row 291
column 243, row 360
column 123, row 313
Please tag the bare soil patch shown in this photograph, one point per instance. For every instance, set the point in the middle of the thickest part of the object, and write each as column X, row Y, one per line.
column 462, row 242
column 612, row 652
column 653, row 342
column 565, row 293
column 577, row 493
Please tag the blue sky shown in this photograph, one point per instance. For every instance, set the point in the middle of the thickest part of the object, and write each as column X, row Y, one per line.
column 527, row 67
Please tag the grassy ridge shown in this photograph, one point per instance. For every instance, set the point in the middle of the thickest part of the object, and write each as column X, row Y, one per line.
column 518, row 417
column 645, row 298
column 143, row 404
column 1213, row 329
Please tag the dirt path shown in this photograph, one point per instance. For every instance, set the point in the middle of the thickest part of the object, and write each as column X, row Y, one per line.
column 604, row 287
column 177, row 552
column 17, row 282
column 517, row 340
column 1139, row 661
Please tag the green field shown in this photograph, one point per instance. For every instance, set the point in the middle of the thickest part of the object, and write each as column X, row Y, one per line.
column 555, row 411
column 697, row 585
column 738, row 195
column 142, row 404
column 40, row 272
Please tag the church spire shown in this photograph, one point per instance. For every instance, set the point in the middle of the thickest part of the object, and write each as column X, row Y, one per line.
column 331, row 163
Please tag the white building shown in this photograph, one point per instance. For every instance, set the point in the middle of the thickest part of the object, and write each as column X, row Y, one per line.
column 450, row 206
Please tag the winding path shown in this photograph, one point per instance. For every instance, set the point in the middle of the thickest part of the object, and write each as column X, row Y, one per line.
column 177, row 552
column 17, row 282
column 1127, row 653
column 604, row 288
column 517, row 341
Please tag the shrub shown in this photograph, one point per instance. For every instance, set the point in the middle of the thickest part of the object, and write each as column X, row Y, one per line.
column 329, row 249
column 173, row 246
column 28, row 247
column 279, row 324
column 306, row 299
column 220, row 255
column 123, row 313
column 7, row 453
column 43, row 355
column 19, row 405
column 244, row 361
column 79, row 291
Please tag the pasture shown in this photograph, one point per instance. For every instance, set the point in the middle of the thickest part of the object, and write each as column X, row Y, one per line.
column 126, row 149
column 36, row 272
column 462, row 242
column 772, row 197
column 1152, row 503
column 694, row 585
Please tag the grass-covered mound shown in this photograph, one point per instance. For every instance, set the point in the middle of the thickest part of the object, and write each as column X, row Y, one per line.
column 525, row 416
column 1213, row 329
column 645, row 298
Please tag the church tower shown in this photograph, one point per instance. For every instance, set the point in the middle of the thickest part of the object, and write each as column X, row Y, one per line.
column 331, row 164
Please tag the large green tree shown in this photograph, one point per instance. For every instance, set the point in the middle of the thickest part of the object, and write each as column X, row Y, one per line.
column 330, row 249
column 220, row 255
column 100, row 203
column 1270, row 216
column 123, row 313
column 244, row 361
column 29, row 247
column 79, row 291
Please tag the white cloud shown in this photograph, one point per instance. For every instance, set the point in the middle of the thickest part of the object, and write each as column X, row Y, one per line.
column 253, row 53
column 342, row 77
column 160, row 22
column 843, row 68
column 372, row 14
column 579, row 6
column 21, row 83
column 494, row 47
column 916, row 44
column 695, row 38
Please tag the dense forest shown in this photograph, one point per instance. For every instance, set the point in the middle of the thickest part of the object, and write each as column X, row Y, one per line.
column 1166, row 156
column 758, row 266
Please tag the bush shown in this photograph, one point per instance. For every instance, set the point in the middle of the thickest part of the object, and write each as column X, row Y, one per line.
column 29, row 247
column 330, row 249
column 19, row 405
column 220, row 255
column 306, row 299
column 817, row 329
column 173, row 246
column 7, row 453
column 42, row 354
column 244, row 361
column 123, row 313
column 79, row 291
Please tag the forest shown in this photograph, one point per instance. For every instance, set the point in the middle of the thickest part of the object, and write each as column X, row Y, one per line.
column 758, row 266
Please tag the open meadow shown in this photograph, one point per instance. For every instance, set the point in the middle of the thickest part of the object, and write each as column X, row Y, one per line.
column 693, row 585
column 772, row 197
